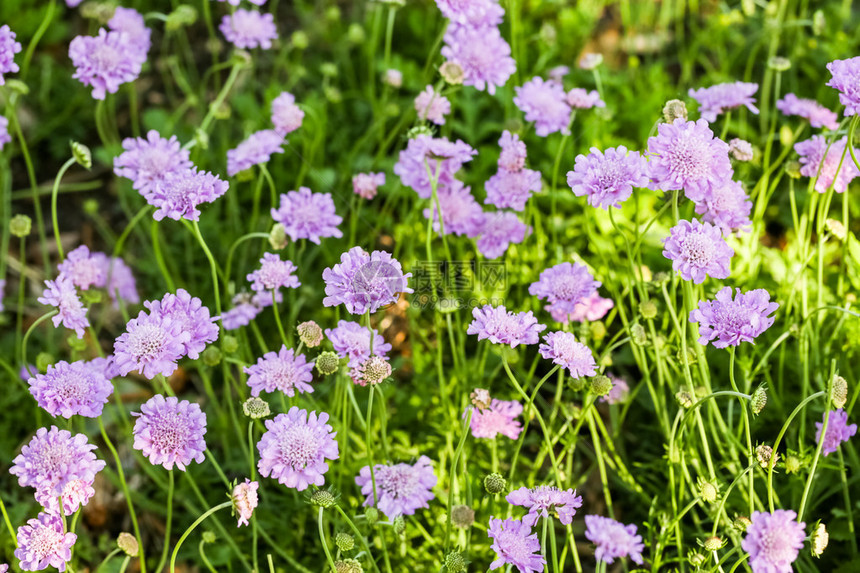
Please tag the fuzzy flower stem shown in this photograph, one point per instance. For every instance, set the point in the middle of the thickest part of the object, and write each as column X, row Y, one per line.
column 188, row 531
column 746, row 417
column 169, row 521
column 818, row 447
column 465, row 432
column 321, row 522
column 71, row 161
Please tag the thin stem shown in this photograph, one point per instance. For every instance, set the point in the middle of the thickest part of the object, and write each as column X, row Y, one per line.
column 8, row 523
column 71, row 161
column 36, row 323
column 746, row 417
column 278, row 318
column 188, row 531
column 452, row 473
column 170, row 488
column 212, row 265
column 320, row 522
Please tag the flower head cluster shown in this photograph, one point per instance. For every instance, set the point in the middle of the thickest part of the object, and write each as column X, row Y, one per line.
column 152, row 344
column 243, row 312
column 726, row 206
column 131, row 23
column 498, row 231
column 591, row 308
column 257, row 149
column 8, row 48
column 294, row 448
column 426, row 157
column 563, row 349
column 732, row 321
column 75, row 495
column 245, row 500
column 581, row 98
column 352, row 340
column 4, row 132
column 773, row 541
column 286, row 115
column 608, row 178
column 513, row 184
column 541, row 501
column 106, row 61
column 308, row 215
column 193, row 318
column 365, row 185
column 71, row 389
column 183, row 192
column 613, row 539
column 82, row 268
column 432, row 106
column 830, row 164
column 482, row 54
column 372, row 371
column 61, row 294
column 545, row 103
column 285, row 370
column 501, row 326
column 499, row 418
column 722, row 97
column 365, row 282
column 475, row 13
column 461, row 213
column 564, row 286
column 697, row 251
column 838, row 431
column 817, row 114
column 249, row 29
column 170, row 432
column 402, row 488
column 273, row 274
column 43, row 543
column 846, row 79
column 515, row 544
column 149, row 162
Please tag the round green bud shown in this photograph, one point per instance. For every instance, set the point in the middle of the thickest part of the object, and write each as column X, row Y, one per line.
column 278, row 236
column 779, row 64
column 332, row 94
column 638, row 334
column 229, row 344
column 328, row 69
column 452, row 73
column 344, row 541
column 399, row 525
column 20, row 226
column 597, row 330
column 839, row 391
column 327, row 363
column 82, row 155
column 600, row 385
column 91, row 296
column 741, row 523
column 43, row 360
column 648, row 309
column 792, row 169
column 455, row 562
column 708, row 491
column 128, row 544
column 793, row 463
column 332, row 14
column 355, row 33
column 696, row 559
column 256, row 408
column 212, row 356
column 713, row 543
column 209, row 537
column 372, row 515
column 91, row 206
column 348, row 566
column 419, row 130
column 495, row 484
column 184, row 15
column 684, row 398
column 310, row 333
column 323, row 498
column 75, row 343
column 759, row 400
column 300, row 40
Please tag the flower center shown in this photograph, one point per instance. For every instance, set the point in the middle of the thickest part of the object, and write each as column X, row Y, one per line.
column 698, row 249
column 299, row 447
column 169, row 432
column 147, row 342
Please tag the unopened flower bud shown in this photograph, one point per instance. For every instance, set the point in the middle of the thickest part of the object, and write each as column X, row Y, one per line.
column 708, row 491
column 300, row 40
column 818, row 540
column 208, row 537
column 256, row 408
column 328, row 69
column 648, row 309
column 792, row 169
column 419, row 130
column 323, row 498
column 128, row 543
column 597, row 330
column 20, row 226
column 819, row 23
column 332, row 14
column 455, row 563
column 673, row 110
column 779, row 64
column 75, row 343
column 310, row 333
column 355, row 34
column 372, row 515
column 184, row 15
column 399, row 525
column 452, row 73
column 241, row 58
column 638, row 334
column 793, row 463
column 684, row 398
column 462, row 516
column 91, row 206
column 712, row 544
column 839, row 391
column 589, row 61
column 690, row 356
column 495, row 484
column 327, row 363
column 348, row 566
column 212, row 356
column 696, row 559
column 759, row 400
column 17, row 86
column 661, row 277
column 82, row 155
column 763, row 454
column 229, row 344
column 332, row 94
column 741, row 523
column 344, row 541
column 600, row 385
column 278, row 236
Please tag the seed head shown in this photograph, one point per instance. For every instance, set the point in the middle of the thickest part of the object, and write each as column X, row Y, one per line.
column 708, row 491
column 696, row 559
column 372, row 515
column 344, row 541
column 684, row 398
column 256, row 408
column 323, row 498
column 597, row 330
column 600, row 385
column 712, row 544
column 836, row 228
column 348, row 566
column 310, row 333
column 779, row 64
column 495, row 484
column 462, row 516
column 300, row 40
column 839, row 391
column 452, row 73
column 648, row 309
column 455, row 562
column 128, row 543
column 763, row 453
column 82, row 154
column 793, row 463
column 741, row 523
column 212, row 356
column 278, row 236
column 638, row 334
column 229, row 344
column 208, row 537
column 819, row 539
column 674, row 109
column 399, row 525
column 20, row 226
column 759, row 400
column 327, row 363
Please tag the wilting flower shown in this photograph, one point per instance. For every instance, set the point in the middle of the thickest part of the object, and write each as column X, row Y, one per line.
column 580, row 98
column 310, row 333
column 564, row 286
column 286, row 115
column 364, row 282
column 613, row 539
column 542, row 500
column 515, row 544
column 43, row 543
column 733, row 321
column 182, row 192
column 149, row 162
column 308, row 215
column 773, row 541
column 461, row 213
column 273, row 274
column 482, row 53
column 401, row 488
column 838, row 431
column 152, row 344
column 245, row 500
column 499, row 418
column 432, row 106
column 61, row 294
column 104, row 62
column 697, row 251
column 727, row 206
column 426, row 157
column 71, row 389
column 722, row 97
column 498, row 231
column 563, row 349
column 607, row 178
column 352, row 340
column 544, row 102
column 8, row 48
column 249, row 29
column 365, row 185
column 256, row 150
column 170, row 432
column 473, row 13
column 830, row 165
column 817, row 114
column 500, row 326
column 294, row 448
column 846, row 79
column 285, row 370
column 82, row 268
column 131, row 23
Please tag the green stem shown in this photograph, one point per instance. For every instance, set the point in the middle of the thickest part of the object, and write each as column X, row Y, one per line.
column 8, row 523
column 212, row 265
column 71, row 161
column 452, row 473
column 746, row 417
column 36, row 323
column 320, row 522
column 188, row 531
column 168, row 522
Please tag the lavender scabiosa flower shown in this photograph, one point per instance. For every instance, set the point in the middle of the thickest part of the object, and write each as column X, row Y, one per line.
column 273, row 274
column 563, row 349
column 82, row 268
column 4, row 132
column 473, row 13
column 544, row 102
column 726, row 206
column 119, row 280
column 365, row 185
column 393, row 78
column 581, row 98
column 257, row 149
column 43, row 543
column 71, row 389
column 513, row 154
column 432, row 106
column 838, row 431
column 170, row 432
column 461, row 213
column 8, row 48
column 401, row 488
column 740, row 149
column 830, row 165
column 591, row 308
column 245, row 500
column 773, row 541
column 722, row 97
column 285, row 370
column 242, row 313
column 286, row 115
column 191, row 315
column 75, row 495
column 426, row 157
column 544, row 499
column 248, row 29
column 613, row 539
column 846, row 78
column 564, row 285
column 372, row 371
column 817, row 114
column 697, row 251
column 352, row 340
column 686, row 155
column 307, row 215
column 501, row 326
column 152, row 344
column 483, row 55
column 294, row 448
column 2, row 292
column 607, row 178
column 515, row 544
column 498, row 231
column 732, row 321
column 619, row 392
column 149, row 162
column 511, row 189
column 104, row 62
column 500, row 417
column 558, row 73
column 181, row 193
column 61, row 293
column 364, row 282
column 131, row 23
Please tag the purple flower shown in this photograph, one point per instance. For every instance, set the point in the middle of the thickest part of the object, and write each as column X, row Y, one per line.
column 817, row 114
column 365, row 282
column 515, row 544
column 716, row 99
column 118, row 279
column 105, row 62
column 513, row 155
column 307, row 215
column 563, row 349
column 149, row 162
column 245, row 500
column 249, row 29
column 591, row 308
column 581, row 98
column 838, row 431
column 256, row 150
column 75, row 495
column 82, row 268
column 773, row 541
column 613, row 539
column 131, row 23
column 544, row 102
column 426, row 157
column 191, row 315
column 482, row 53
column 831, row 166
column 461, row 214
column 394, row 78
column 71, row 389
column 273, row 274
column 182, row 192
column 686, row 155
column 846, row 79
column 726, row 206
column 740, row 149
column 498, row 231
column 240, row 315
column 733, row 321
column 697, row 251
column 236, row 2
column 294, row 448
column 432, row 106
column 402, row 488
column 54, row 458
column 474, row 13
column 608, row 178
column 8, row 48
column 511, row 189
column 375, row 370
column 499, row 418
column 103, row 366
column 4, row 132
column 286, row 115
column 285, row 370
column 618, row 393
column 563, row 286
column 500, row 326
column 151, row 344
column 365, row 185
column 558, row 73
column 170, row 432
column 61, row 293
column 352, row 340
column 543, row 500
column 2, row 292
column 43, row 543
